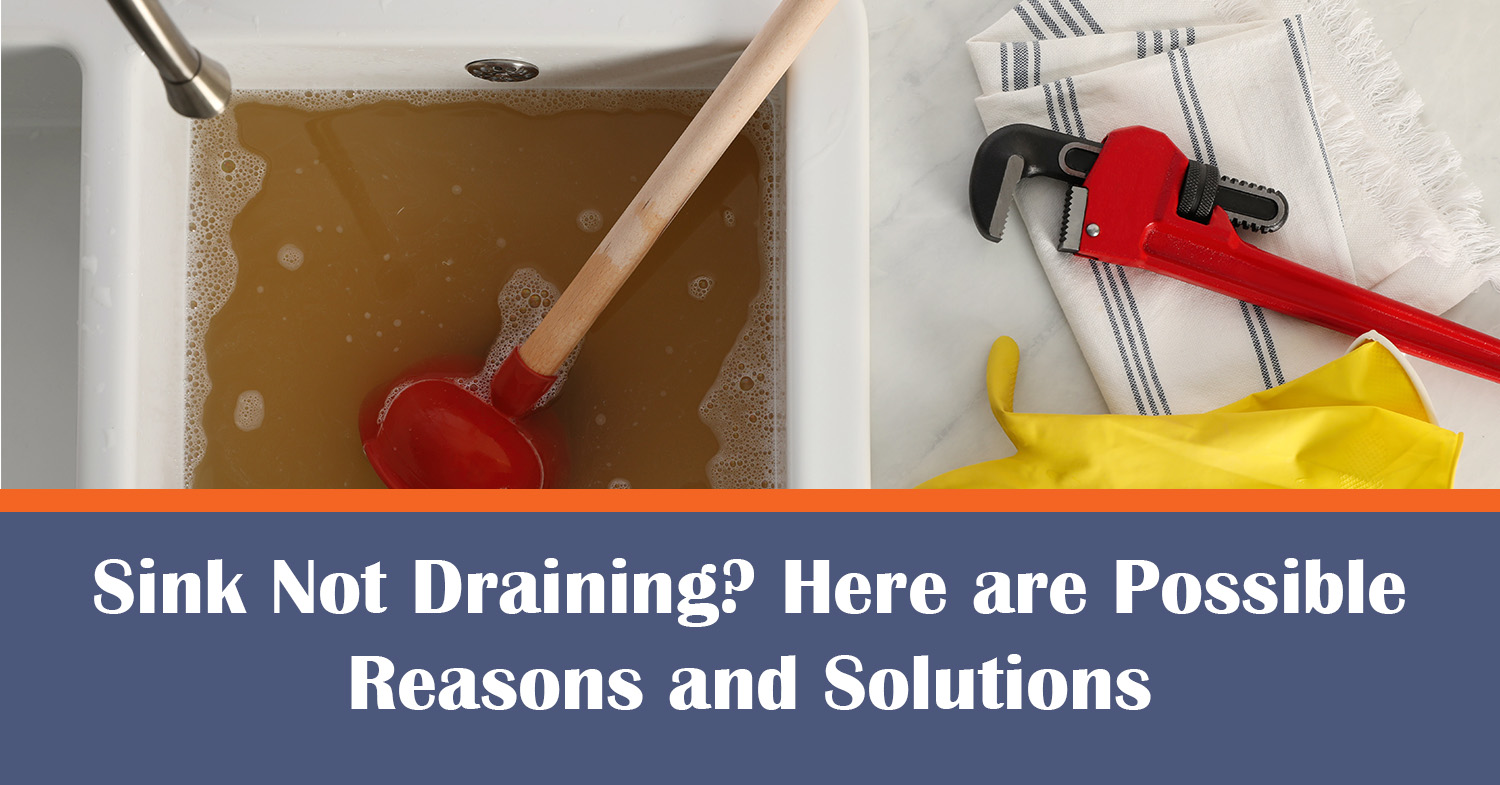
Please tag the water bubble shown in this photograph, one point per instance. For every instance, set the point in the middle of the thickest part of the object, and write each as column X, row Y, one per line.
column 729, row 219
column 290, row 256
column 599, row 419
column 700, row 287
column 457, row 189
column 590, row 221
column 249, row 410
column 619, row 483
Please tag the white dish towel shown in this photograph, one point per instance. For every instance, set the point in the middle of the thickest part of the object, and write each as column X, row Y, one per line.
column 1297, row 96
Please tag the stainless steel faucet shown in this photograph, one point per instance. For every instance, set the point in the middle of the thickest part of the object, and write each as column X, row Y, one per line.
column 197, row 86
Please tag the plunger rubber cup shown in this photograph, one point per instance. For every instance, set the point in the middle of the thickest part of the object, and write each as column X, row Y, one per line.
column 436, row 434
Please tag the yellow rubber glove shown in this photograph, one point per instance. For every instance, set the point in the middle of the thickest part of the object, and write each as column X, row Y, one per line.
column 1359, row 422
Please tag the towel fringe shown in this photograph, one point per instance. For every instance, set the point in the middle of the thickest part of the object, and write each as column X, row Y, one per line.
column 1429, row 201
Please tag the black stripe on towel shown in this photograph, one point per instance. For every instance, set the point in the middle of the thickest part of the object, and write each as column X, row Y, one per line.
column 1088, row 18
column 1161, row 42
column 1051, row 112
column 1135, row 312
column 1063, row 14
column 1046, row 18
column 1021, row 67
column 1265, row 374
column 1307, row 94
column 1187, row 75
column 1005, row 67
column 1114, row 325
column 1187, row 112
column 1066, row 115
column 1026, row 19
column 1265, row 327
column 1110, row 273
column 1073, row 97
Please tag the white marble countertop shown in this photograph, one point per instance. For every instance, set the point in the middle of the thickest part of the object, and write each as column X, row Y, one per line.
column 940, row 294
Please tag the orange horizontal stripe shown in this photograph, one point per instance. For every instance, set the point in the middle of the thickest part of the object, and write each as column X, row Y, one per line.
column 862, row 501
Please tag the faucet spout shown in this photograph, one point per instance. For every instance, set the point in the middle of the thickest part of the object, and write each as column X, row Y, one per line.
column 197, row 86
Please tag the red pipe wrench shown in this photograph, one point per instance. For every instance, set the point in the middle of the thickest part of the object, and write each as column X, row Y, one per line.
column 1137, row 201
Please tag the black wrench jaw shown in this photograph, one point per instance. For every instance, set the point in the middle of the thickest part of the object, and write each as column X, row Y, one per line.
column 1041, row 153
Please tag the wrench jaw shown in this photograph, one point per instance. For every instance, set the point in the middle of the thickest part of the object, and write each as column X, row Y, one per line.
column 1013, row 153
column 1014, row 166
column 1075, row 207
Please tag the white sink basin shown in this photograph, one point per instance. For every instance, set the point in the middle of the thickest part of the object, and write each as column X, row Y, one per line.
column 134, row 174
column 42, row 100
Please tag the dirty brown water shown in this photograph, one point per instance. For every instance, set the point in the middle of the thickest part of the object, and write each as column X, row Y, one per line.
column 338, row 238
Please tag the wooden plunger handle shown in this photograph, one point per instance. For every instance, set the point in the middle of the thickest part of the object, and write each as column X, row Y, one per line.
column 710, row 133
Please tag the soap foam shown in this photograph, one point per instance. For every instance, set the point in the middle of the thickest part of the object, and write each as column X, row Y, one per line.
column 699, row 287
column 249, row 410
column 216, row 194
column 590, row 221
column 747, row 423
column 290, row 256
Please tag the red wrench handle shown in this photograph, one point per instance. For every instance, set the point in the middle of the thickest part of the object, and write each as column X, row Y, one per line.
column 1242, row 271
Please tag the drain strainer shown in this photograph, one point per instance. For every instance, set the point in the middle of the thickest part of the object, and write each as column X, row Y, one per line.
column 502, row 69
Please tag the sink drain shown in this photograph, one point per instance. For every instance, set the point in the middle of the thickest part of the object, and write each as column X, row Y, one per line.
column 503, row 70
